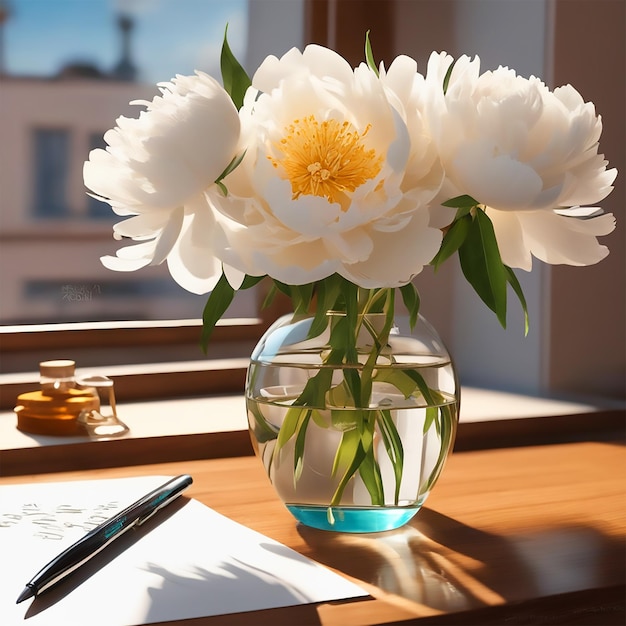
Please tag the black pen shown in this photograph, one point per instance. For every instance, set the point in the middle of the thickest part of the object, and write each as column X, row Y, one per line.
column 101, row 536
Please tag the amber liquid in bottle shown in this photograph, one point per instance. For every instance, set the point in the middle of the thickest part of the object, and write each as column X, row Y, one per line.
column 55, row 408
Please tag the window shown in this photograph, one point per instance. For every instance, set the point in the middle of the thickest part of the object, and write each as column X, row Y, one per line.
column 51, row 165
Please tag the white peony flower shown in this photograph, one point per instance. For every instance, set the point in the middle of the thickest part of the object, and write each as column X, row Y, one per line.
column 332, row 180
column 407, row 90
column 528, row 155
column 157, row 168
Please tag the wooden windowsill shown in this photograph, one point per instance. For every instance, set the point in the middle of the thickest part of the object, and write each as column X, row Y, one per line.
column 216, row 426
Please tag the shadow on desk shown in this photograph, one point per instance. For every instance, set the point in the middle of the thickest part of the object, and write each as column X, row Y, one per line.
column 602, row 607
column 441, row 563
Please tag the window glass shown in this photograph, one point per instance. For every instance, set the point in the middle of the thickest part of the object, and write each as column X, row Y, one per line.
column 51, row 161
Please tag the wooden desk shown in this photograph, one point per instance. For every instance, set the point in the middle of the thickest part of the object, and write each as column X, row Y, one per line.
column 528, row 535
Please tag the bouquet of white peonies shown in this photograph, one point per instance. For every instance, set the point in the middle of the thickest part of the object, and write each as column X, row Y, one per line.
column 321, row 176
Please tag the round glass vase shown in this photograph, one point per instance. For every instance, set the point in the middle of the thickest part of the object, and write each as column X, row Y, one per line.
column 352, row 445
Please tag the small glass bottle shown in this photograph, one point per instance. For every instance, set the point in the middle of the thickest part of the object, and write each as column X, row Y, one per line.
column 56, row 407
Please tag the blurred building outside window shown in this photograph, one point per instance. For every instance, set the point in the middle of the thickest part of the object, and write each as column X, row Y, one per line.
column 52, row 233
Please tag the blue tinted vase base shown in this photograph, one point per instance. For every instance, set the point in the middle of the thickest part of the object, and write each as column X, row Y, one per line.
column 353, row 519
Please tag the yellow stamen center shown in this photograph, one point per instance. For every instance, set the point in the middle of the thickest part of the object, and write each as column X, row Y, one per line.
column 326, row 159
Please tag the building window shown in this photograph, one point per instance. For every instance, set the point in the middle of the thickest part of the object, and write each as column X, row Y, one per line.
column 52, row 152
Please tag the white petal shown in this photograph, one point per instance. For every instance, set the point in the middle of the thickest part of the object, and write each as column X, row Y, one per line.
column 440, row 216
column 400, row 76
column 234, row 276
column 398, row 153
column 556, row 239
column 325, row 62
column 194, row 267
column 168, row 237
column 295, row 265
column 148, row 225
column 310, row 216
column 510, row 237
column 170, row 152
column 130, row 258
column 351, row 247
column 500, row 182
column 123, row 265
column 199, row 283
column 397, row 257
column 269, row 74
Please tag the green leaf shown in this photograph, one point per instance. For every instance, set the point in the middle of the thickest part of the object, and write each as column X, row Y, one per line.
column 343, row 419
column 218, row 302
column 461, row 202
column 269, row 296
column 286, row 289
column 446, row 79
column 432, row 413
column 431, row 397
column 318, row 419
column 402, row 381
column 250, row 281
column 369, row 470
column 482, row 265
column 393, row 445
column 446, row 427
column 369, row 55
column 229, row 168
column 301, row 296
column 453, row 240
column 234, row 77
column 517, row 288
column 411, row 299
column 346, row 451
column 290, row 425
column 350, row 324
column 298, row 453
column 353, row 381
column 350, row 453
column 262, row 429
column 328, row 292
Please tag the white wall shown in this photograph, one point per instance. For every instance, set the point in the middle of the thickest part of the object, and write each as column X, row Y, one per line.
column 514, row 34
column 274, row 27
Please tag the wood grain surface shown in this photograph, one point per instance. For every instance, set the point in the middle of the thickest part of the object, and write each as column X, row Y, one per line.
column 526, row 535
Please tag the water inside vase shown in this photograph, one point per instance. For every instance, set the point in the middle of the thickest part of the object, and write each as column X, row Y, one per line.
column 426, row 431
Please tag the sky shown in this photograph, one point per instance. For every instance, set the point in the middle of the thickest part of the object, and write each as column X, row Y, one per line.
column 170, row 36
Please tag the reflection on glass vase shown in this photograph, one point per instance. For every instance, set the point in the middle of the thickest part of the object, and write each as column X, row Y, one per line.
column 353, row 433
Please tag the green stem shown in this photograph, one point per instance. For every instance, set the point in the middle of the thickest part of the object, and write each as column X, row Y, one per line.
column 364, row 458
column 352, row 395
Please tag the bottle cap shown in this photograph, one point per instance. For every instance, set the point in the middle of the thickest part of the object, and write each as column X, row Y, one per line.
column 61, row 368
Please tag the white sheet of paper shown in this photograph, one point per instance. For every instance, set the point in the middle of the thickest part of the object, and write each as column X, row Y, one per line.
column 188, row 561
